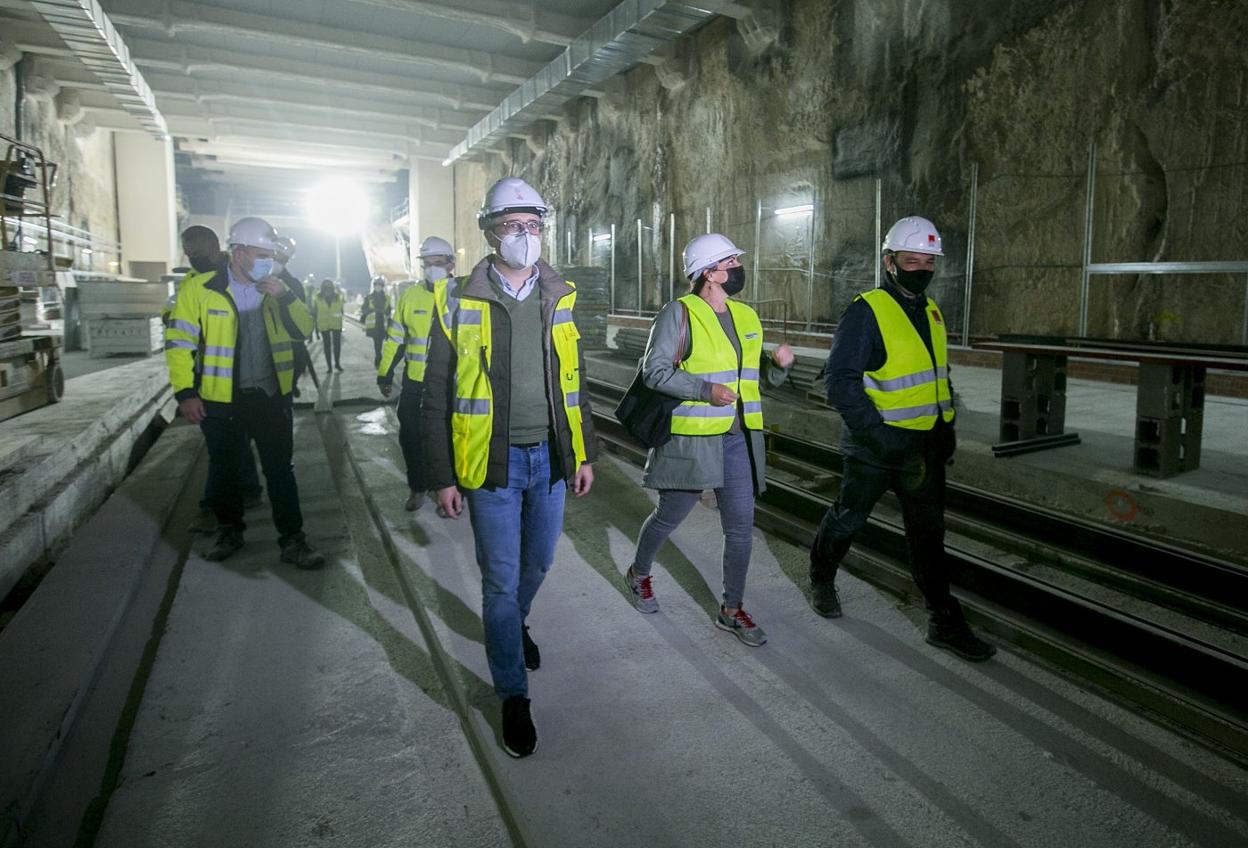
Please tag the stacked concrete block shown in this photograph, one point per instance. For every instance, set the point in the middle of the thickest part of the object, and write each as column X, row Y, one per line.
column 121, row 316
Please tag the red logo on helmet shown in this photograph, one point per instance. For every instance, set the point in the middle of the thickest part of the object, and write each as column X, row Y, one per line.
column 931, row 237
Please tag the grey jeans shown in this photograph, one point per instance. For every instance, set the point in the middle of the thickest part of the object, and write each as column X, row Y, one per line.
column 736, row 516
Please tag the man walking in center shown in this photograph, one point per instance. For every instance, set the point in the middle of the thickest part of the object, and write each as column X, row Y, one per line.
column 888, row 377
column 508, row 429
column 230, row 351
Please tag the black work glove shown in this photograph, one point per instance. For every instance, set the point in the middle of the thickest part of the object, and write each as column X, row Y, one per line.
column 892, row 445
column 946, row 442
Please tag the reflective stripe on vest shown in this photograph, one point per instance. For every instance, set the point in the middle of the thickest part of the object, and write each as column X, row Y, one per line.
column 468, row 327
column 909, row 390
column 413, row 318
column 711, row 351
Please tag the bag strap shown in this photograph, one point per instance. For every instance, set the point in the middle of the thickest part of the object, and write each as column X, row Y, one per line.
column 684, row 335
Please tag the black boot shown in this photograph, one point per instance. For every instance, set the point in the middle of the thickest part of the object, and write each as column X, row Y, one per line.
column 948, row 629
column 824, row 598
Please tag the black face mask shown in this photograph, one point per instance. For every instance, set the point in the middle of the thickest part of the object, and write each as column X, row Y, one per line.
column 203, row 264
column 914, row 282
column 735, row 282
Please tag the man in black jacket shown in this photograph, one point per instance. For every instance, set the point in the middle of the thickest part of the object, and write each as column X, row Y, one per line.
column 888, row 377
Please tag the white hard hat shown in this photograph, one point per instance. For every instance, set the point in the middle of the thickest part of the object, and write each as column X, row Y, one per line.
column 434, row 246
column 508, row 194
column 914, row 235
column 706, row 250
column 253, row 232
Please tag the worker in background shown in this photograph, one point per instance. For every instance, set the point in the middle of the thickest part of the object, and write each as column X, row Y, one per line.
column 888, row 377
column 375, row 316
column 282, row 256
column 508, row 429
column 231, row 362
column 327, row 310
column 203, row 253
column 707, row 349
column 409, row 338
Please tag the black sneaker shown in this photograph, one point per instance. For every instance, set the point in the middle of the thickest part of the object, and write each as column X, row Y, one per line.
column 300, row 554
column 519, row 734
column 532, row 656
column 957, row 636
column 825, row 600
column 229, row 540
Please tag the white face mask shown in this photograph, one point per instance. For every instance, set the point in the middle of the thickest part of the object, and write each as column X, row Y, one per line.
column 521, row 250
column 435, row 273
column 261, row 267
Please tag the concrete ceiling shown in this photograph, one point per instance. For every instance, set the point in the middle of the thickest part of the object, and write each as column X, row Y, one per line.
column 281, row 92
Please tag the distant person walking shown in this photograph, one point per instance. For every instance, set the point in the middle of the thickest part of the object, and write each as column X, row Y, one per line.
column 327, row 309
column 375, row 316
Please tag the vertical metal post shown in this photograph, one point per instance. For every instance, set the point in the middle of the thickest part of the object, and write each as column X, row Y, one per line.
column 671, row 255
column 589, row 247
column 1244, row 335
column 758, row 248
column 613, row 256
column 879, row 213
column 1087, row 240
column 639, row 264
column 970, row 259
column 810, row 270
column 708, row 219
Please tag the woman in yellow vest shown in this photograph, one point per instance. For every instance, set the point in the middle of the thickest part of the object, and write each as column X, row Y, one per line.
column 327, row 309
column 717, row 430
column 888, row 377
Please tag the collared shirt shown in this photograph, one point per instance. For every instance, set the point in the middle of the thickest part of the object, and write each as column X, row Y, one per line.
column 518, row 294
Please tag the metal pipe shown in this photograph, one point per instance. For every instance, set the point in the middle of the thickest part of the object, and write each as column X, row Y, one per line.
column 671, row 255
column 1089, row 206
column 1243, row 337
column 758, row 248
column 970, row 259
column 639, row 265
column 810, row 270
column 708, row 219
column 879, row 212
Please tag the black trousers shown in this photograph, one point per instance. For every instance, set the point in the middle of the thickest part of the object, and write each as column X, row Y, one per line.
column 410, row 433
column 378, row 340
column 302, row 360
column 920, row 487
column 269, row 422
column 332, row 341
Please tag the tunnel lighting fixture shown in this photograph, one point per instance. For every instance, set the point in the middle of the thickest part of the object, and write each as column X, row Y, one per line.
column 338, row 206
column 802, row 209
column 602, row 237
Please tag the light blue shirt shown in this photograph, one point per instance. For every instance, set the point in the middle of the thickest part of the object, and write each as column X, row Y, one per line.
column 247, row 296
column 518, row 294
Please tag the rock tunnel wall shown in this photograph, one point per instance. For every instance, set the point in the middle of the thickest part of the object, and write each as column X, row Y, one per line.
column 813, row 101
column 85, row 195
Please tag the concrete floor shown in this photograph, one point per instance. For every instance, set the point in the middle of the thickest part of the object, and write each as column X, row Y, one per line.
column 288, row 708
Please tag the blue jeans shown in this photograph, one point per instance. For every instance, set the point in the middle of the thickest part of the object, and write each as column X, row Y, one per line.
column 515, row 529
column 736, row 518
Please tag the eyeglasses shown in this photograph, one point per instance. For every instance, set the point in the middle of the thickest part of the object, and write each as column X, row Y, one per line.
column 515, row 228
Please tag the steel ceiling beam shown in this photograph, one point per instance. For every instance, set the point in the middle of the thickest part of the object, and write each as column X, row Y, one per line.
column 623, row 37
column 523, row 20
column 194, row 61
column 90, row 34
column 188, row 17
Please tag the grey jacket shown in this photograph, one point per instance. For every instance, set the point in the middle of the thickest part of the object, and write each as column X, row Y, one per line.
column 692, row 462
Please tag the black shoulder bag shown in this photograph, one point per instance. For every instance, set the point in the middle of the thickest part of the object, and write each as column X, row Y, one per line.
column 645, row 413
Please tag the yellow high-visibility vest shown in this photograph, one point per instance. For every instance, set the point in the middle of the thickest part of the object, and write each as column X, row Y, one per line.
column 714, row 360
column 409, row 326
column 467, row 325
column 372, row 315
column 204, row 325
column 327, row 316
column 910, row 389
